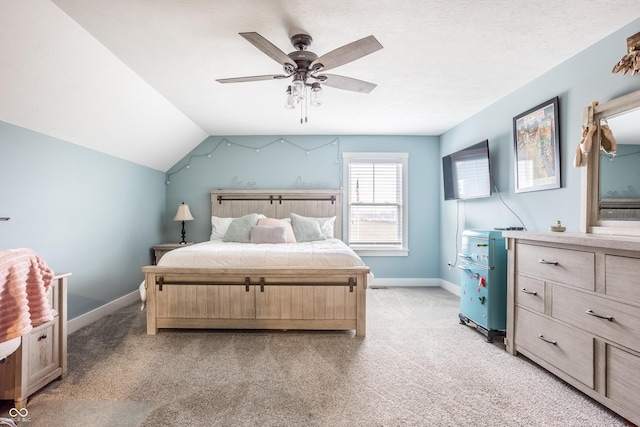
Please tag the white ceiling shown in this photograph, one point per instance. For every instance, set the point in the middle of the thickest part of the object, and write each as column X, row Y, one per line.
column 136, row 78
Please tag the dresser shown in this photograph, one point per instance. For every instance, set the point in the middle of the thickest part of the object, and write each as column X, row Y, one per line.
column 573, row 307
column 42, row 355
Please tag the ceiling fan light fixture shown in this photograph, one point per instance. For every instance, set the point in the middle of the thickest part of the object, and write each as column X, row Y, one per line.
column 297, row 86
column 302, row 65
column 290, row 103
column 316, row 95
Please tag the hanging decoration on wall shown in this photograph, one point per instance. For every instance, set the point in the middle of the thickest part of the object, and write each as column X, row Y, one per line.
column 224, row 141
column 631, row 61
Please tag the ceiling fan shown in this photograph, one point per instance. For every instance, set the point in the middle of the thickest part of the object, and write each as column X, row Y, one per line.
column 304, row 67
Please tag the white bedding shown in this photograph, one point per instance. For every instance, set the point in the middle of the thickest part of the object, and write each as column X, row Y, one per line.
column 218, row 254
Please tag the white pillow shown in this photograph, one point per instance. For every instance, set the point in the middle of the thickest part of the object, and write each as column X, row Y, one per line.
column 326, row 225
column 220, row 226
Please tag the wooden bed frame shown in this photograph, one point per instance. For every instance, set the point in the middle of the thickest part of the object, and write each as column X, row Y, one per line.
column 261, row 298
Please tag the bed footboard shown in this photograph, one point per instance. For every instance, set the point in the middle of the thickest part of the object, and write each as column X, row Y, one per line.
column 312, row 299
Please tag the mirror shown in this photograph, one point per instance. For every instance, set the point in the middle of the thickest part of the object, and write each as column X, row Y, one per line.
column 611, row 182
column 620, row 171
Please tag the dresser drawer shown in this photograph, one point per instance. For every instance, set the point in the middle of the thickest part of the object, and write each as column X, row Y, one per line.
column 530, row 293
column 623, row 377
column 567, row 349
column 621, row 277
column 574, row 307
column 576, row 268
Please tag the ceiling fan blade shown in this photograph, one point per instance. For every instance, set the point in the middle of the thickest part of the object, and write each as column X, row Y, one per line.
column 348, row 83
column 269, row 48
column 347, row 53
column 252, row 78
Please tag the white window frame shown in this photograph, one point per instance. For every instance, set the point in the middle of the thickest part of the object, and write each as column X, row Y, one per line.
column 375, row 250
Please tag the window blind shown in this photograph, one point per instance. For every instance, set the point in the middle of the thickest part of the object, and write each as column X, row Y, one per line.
column 375, row 202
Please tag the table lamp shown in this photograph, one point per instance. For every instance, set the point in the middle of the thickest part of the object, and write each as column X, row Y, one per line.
column 183, row 214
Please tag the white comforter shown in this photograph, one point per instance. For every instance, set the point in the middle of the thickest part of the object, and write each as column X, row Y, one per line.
column 218, row 254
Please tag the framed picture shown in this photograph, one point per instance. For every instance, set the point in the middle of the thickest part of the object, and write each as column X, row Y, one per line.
column 537, row 148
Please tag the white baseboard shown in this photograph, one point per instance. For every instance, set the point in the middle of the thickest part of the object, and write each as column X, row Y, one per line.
column 100, row 312
column 421, row 282
column 451, row 287
column 388, row 283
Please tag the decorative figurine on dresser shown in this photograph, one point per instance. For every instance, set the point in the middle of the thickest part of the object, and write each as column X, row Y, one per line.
column 483, row 284
column 33, row 325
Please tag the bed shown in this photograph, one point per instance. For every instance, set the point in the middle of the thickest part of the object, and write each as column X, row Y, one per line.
column 315, row 285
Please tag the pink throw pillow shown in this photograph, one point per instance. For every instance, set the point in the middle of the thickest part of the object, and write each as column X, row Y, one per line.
column 273, row 222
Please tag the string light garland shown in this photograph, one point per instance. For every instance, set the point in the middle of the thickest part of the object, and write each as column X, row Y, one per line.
column 335, row 142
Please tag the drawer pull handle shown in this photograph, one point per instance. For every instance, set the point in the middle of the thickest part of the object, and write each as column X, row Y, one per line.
column 601, row 316
column 526, row 291
column 42, row 337
column 544, row 261
column 547, row 340
column 465, row 268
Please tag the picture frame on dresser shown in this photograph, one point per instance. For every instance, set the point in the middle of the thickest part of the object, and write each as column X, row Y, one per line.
column 536, row 140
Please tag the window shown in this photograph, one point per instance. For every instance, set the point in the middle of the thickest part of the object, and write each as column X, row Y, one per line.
column 376, row 203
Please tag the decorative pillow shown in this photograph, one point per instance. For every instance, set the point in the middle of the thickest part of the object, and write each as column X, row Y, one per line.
column 272, row 222
column 268, row 234
column 240, row 229
column 306, row 229
column 219, row 227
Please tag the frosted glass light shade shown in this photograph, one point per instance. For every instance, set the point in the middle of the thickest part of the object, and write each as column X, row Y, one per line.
column 291, row 101
column 297, row 87
column 316, row 95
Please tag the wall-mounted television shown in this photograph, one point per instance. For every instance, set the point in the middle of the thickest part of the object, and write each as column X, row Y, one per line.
column 466, row 173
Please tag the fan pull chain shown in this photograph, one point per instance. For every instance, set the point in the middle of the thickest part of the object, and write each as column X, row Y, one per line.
column 306, row 103
column 303, row 108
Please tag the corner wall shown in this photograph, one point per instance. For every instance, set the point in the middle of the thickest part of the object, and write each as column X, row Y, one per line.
column 82, row 211
column 292, row 162
column 577, row 82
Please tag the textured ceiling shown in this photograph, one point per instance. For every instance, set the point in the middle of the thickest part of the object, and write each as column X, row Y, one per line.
column 128, row 75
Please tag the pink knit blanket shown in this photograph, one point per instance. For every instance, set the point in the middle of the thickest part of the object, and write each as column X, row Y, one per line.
column 25, row 280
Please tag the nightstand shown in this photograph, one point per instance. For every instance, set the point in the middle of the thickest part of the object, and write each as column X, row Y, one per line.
column 42, row 355
column 163, row 248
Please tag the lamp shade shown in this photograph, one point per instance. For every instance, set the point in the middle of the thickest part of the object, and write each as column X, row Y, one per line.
column 183, row 214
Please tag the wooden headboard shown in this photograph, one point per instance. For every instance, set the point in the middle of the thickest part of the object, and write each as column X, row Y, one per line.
column 279, row 204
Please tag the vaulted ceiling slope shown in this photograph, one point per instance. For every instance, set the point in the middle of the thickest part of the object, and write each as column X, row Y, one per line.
column 136, row 78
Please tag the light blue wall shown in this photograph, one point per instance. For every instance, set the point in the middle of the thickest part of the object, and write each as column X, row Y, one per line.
column 82, row 211
column 582, row 79
column 286, row 165
column 97, row 216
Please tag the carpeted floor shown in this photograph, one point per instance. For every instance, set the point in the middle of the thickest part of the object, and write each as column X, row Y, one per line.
column 417, row 367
